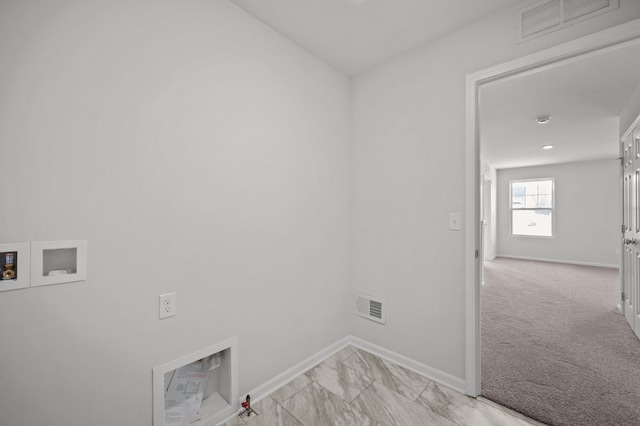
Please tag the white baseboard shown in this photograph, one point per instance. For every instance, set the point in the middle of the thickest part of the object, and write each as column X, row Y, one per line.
column 431, row 373
column 570, row 262
column 285, row 377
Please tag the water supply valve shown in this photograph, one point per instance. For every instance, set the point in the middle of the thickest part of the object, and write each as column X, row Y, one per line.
column 247, row 407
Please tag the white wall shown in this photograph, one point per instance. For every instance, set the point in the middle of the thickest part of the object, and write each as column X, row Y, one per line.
column 630, row 112
column 408, row 157
column 586, row 214
column 198, row 152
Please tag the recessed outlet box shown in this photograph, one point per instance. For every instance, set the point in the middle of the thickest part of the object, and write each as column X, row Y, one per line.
column 220, row 399
column 15, row 268
column 57, row 262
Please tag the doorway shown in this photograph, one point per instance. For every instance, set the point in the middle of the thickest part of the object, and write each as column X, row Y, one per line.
column 616, row 38
column 617, row 55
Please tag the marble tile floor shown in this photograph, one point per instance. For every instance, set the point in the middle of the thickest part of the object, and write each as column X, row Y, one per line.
column 354, row 387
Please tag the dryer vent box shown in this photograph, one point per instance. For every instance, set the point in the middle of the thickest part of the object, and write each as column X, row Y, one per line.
column 57, row 262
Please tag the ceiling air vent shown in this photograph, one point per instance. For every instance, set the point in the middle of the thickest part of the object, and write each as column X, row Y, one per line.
column 551, row 15
column 370, row 308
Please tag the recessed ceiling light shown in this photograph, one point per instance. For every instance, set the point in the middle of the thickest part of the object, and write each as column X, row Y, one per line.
column 543, row 119
column 547, row 146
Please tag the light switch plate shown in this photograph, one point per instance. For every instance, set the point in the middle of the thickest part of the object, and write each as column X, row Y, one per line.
column 454, row 221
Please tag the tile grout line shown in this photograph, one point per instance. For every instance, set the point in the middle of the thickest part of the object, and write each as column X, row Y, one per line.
column 415, row 401
column 299, row 390
column 360, row 411
column 292, row 415
column 389, row 366
column 354, row 370
column 423, row 390
column 384, row 362
column 350, row 403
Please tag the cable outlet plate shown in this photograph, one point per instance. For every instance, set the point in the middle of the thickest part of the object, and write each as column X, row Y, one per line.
column 167, row 305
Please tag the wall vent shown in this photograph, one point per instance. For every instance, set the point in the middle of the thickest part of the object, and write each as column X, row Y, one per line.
column 370, row 308
column 551, row 15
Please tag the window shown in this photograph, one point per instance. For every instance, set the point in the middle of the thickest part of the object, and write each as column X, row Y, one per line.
column 532, row 207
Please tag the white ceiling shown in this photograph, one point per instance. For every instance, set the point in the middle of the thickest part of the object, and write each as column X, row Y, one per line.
column 355, row 35
column 584, row 97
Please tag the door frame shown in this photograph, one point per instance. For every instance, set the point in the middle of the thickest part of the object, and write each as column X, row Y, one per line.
column 612, row 38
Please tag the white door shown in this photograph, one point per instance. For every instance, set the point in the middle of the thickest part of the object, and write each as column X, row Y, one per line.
column 631, row 228
column 628, row 261
column 634, row 243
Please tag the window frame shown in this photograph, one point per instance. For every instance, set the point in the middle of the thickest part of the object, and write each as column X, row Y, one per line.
column 551, row 209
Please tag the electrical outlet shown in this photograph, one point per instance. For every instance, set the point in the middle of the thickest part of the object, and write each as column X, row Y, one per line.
column 167, row 305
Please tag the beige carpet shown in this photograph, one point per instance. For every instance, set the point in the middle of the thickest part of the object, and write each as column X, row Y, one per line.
column 554, row 346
